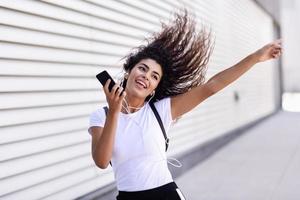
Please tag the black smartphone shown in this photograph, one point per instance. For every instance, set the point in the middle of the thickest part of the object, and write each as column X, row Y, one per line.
column 103, row 77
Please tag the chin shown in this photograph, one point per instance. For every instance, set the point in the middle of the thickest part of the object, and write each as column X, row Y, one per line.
column 138, row 94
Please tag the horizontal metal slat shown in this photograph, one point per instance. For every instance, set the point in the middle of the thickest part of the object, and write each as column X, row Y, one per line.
column 97, row 12
column 69, row 16
column 27, row 164
column 23, row 36
column 35, row 130
column 25, row 116
column 37, row 100
column 38, row 23
column 48, row 180
column 125, row 9
column 81, row 188
column 38, row 53
column 46, row 84
column 23, row 68
column 145, row 7
column 35, row 146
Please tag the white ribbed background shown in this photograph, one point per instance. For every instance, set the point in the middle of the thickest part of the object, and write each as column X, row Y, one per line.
column 50, row 54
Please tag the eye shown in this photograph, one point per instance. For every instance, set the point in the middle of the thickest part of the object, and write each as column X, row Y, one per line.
column 142, row 68
column 155, row 77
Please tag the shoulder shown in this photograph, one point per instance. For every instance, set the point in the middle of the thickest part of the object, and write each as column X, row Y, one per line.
column 163, row 107
column 98, row 113
column 163, row 104
column 97, row 118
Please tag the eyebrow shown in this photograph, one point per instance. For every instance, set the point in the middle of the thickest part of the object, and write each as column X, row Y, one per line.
column 148, row 69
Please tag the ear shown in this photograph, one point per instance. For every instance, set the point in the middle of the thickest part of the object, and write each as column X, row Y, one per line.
column 126, row 75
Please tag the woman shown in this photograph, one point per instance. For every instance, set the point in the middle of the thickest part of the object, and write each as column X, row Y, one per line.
column 170, row 72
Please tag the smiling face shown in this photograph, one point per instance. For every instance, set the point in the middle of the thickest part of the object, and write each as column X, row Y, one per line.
column 143, row 78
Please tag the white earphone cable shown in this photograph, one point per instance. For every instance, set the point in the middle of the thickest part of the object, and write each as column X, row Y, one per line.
column 127, row 109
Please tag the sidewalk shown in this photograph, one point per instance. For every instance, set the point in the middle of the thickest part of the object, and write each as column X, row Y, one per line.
column 262, row 164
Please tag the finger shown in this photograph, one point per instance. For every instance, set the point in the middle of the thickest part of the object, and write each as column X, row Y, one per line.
column 114, row 89
column 277, row 49
column 118, row 92
column 106, row 86
column 277, row 46
column 276, row 55
column 122, row 96
column 276, row 52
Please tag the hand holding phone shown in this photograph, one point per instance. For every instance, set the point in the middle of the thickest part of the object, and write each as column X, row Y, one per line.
column 103, row 77
column 114, row 99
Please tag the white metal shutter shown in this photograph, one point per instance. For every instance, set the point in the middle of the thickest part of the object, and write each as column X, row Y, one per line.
column 50, row 54
column 240, row 28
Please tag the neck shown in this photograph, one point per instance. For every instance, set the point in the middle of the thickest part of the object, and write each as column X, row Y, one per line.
column 133, row 104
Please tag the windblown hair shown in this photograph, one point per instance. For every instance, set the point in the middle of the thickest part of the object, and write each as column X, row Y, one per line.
column 182, row 53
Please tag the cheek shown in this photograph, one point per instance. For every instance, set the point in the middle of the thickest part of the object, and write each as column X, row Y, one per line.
column 129, row 83
column 137, row 72
column 154, row 85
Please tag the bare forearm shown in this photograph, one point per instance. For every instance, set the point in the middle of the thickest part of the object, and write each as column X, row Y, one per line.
column 224, row 78
column 103, row 151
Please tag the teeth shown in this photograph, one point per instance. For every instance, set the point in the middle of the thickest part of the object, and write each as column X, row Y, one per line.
column 142, row 84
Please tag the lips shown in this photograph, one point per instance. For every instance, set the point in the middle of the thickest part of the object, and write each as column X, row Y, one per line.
column 141, row 83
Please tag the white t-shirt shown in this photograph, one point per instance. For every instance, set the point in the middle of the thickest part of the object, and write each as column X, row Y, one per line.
column 139, row 159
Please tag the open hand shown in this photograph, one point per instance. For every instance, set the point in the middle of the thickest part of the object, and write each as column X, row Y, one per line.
column 269, row 51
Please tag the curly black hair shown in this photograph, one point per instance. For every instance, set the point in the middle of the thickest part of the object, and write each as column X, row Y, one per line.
column 182, row 53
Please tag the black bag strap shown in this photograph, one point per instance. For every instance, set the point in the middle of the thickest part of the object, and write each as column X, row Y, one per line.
column 158, row 120
column 160, row 123
column 105, row 109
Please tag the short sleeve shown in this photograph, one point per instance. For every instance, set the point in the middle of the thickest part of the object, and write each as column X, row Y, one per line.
column 97, row 118
column 163, row 107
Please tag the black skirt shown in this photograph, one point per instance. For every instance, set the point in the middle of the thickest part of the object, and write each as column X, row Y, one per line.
column 168, row 191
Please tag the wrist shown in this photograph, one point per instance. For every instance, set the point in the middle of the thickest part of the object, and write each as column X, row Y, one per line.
column 254, row 57
column 113, row 113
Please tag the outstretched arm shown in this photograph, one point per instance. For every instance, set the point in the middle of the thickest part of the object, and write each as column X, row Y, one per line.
column 183, row 103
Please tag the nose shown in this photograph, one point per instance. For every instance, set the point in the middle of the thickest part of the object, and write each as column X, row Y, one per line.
column 146, row 76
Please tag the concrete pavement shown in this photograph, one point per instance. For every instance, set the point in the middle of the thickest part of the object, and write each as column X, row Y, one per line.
column 261, row 164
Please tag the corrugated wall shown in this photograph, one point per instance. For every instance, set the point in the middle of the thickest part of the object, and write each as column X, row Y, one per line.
column 50, row 52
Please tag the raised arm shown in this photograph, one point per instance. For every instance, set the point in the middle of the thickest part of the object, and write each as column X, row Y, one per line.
column 183, row 103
